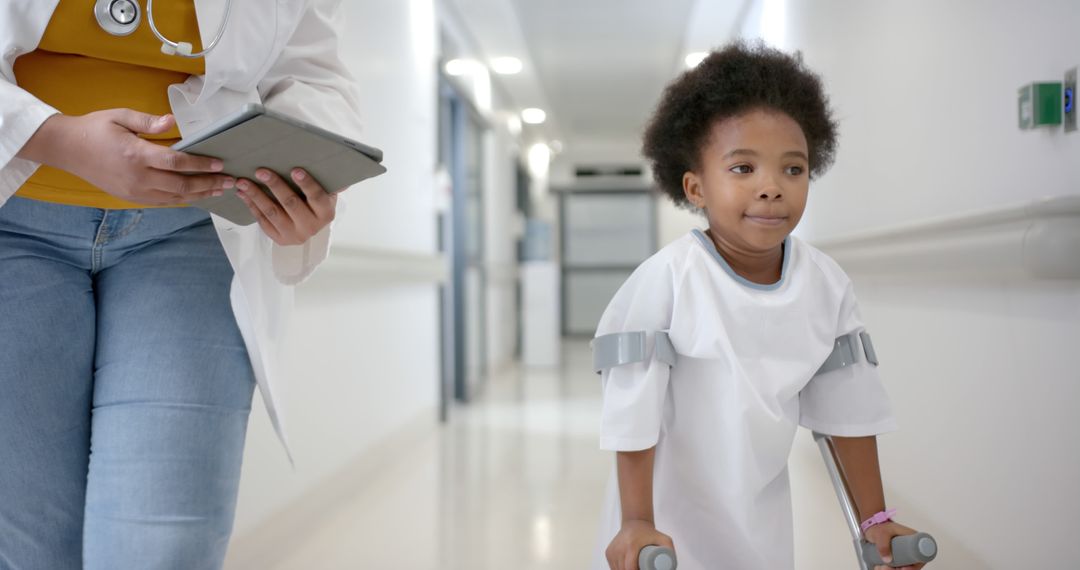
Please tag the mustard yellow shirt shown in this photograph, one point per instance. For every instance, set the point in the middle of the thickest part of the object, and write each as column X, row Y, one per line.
column 79, row 68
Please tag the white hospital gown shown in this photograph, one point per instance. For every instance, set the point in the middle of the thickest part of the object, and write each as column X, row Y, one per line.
column 723, row 418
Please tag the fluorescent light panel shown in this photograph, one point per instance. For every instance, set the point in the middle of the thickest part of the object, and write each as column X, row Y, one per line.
column 506, row 65
column 533, row 116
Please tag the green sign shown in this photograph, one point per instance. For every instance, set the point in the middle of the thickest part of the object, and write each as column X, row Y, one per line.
column 1040, row 104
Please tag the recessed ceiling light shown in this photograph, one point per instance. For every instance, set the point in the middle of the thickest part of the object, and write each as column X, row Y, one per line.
column 506, row 65
column 693, row 59
column 533, row 116
column 457, row 67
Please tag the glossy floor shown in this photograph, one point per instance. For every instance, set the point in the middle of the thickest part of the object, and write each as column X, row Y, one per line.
column 515, row 481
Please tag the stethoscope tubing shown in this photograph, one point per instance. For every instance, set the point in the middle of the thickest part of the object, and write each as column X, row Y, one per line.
column 103, row 9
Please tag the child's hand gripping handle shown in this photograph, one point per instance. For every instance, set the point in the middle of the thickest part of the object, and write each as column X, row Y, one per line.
column 654, row 557
column 906, row 550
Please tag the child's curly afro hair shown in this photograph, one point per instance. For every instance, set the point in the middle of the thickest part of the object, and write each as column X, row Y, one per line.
column 733, row 80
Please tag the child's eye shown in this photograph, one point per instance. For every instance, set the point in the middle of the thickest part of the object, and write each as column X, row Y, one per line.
column 795, row 170
column 742, row 169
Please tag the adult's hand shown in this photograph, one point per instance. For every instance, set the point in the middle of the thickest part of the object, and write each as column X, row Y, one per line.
column 104, row 149
column 290, row 218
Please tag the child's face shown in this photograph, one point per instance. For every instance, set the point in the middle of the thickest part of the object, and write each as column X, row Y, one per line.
column 753, row 180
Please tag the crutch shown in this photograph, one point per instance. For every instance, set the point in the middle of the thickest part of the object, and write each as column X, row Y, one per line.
column 912, row 549
column 654, row 557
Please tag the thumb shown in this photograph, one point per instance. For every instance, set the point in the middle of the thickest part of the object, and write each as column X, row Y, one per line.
column 144, row 123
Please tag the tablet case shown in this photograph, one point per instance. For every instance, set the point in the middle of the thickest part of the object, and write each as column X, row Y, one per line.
column 256, row 137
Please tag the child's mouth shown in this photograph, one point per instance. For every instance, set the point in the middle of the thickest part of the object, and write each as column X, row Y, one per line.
column 767, row 220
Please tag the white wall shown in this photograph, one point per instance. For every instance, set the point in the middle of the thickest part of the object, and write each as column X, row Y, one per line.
column 502, row 151
column 984, row 378
column 391, row 47
column 502, row 226
column 673, row 222
column 363, row 354
column 983, row 371
column 926, row 93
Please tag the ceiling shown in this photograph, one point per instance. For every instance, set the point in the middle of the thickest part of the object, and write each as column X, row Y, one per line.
column 603, row 63
column 596, row 66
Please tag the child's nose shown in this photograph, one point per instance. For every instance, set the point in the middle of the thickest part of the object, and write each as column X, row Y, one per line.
column 771, row 192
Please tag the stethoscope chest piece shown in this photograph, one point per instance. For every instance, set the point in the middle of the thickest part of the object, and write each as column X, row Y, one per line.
column 121, row 18
column 118, row 17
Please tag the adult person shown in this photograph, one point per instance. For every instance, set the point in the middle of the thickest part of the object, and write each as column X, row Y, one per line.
column 133, row 329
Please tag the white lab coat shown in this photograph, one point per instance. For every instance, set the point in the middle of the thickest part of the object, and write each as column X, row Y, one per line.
column 283, row 53
column 724, row 416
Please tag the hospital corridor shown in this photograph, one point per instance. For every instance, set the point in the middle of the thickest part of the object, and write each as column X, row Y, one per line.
column 513, row 481
column 610, row 284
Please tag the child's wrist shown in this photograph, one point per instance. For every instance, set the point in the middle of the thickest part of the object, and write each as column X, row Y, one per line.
column 880, row 517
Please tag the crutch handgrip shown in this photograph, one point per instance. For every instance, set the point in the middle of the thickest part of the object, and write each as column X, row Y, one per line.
column 906, row 550
column 654, row 557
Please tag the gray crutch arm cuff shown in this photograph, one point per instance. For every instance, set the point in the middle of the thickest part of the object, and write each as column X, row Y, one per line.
column 619, row 349
column 846, row 352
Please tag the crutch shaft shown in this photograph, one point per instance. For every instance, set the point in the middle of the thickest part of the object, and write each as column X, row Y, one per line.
column 906, row 550
column 842, row 494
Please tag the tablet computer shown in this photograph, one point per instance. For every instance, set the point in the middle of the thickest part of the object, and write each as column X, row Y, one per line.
column 255, row 137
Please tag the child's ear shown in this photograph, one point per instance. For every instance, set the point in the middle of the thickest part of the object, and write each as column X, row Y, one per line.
column 691, row 186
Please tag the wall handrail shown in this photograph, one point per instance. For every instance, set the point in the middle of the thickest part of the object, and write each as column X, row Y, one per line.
column 1037, row 239
column 371, row 264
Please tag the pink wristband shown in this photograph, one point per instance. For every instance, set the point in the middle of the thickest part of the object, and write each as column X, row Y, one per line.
column 883, row 516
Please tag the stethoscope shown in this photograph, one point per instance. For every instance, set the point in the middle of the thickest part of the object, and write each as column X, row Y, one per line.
column 121, row 17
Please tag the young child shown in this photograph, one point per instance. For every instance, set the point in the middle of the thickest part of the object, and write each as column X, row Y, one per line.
column 719, row 346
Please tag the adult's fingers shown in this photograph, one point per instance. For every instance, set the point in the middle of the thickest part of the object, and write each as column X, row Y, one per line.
column 152, row 197
column 321, row 202
column 164, row 158
column 144, row 123
column 273, row 219
column 302, row 216
column 190, row 185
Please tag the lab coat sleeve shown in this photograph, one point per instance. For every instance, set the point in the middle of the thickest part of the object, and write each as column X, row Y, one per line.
column 634, row 394
column 849, row 401
column 21, row 114
column 310, row 82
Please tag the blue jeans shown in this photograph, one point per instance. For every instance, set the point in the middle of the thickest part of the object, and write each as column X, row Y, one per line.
column 125, row 389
